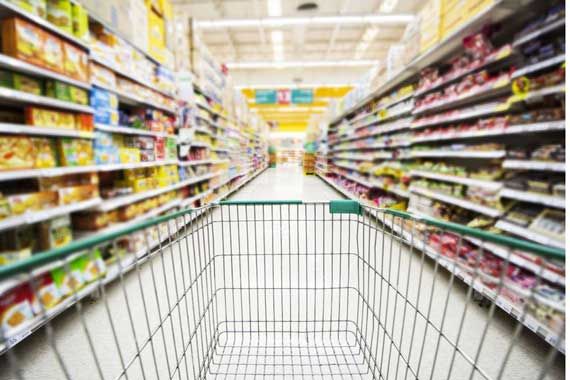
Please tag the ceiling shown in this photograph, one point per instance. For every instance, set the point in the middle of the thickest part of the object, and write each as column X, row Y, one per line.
column 336, row 48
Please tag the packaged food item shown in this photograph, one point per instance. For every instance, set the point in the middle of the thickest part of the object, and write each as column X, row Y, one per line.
column 72, row 194
column 17, row 152
column 90, row 221
column 47, row 292
column 80, row 21
column 76, row 62
column 106, row 116
column 84, row 122
column 59, row 14
column 103, row 99
column 78, row 95
column 16, row 244
column 58, row 90
column 35, row 7
column 94, row 266
column 46, row 156
column 53, row 57
column 23, row 40
column 16, row 308
column 102, row 75
column 55, row 233
column 69, row 278
column 21, row 203
column 75, row 152
column 129, row 155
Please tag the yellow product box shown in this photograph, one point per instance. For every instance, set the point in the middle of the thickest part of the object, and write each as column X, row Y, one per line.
column 129, row 155
column 140, row 185
column 59, row 14
column 80, row 21
column 22, row 203
column 46, row 153
column 69, row 195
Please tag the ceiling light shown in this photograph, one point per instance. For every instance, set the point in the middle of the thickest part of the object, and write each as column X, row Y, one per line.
column 277, row 41
column 288, row 64
column 388, row 6
column 383, row 19
column 274, row 8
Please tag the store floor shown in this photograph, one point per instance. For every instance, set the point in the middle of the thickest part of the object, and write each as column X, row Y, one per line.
column 318, row 347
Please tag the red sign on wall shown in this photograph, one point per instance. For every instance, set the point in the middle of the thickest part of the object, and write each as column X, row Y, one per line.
column 284, row 96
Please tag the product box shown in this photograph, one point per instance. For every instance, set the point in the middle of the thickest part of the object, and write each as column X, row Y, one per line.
column 22, row 203
column 106, row 116
column 23, row 40
column 47, row 292
column 90, row 221
column 80, row 21
column 69, row 279
column 79, row 95
column 55, row 233
column 103, row 99
column 16, row 152
column 21, row 82
column 35, row 7
column 58, row 90
column 75, row 152
column 59, row 14
column 73, row 194
column 46, row 154
column 76, row 63
column 53, row 57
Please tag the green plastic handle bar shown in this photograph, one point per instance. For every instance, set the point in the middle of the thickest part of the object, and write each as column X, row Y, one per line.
column 260, row 203
column 345, row 206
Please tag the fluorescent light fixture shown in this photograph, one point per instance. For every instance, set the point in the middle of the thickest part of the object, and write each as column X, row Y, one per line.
column 289, row 109
column 277, row 40
column 274, row 8
column 299, row 64
column 388, row 6
column 370, row 33
column 383, row 19
column 293, row 85
column 299, row 135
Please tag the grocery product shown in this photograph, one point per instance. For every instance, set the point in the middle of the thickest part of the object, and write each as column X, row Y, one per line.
column 47, row 292
column 76, row 62
column 53, row 57
column 45, row 151
column 75, row 152
column 17, row 152
column 59, row 14
column 80, row 21
column 16, row 308
column 23, row 40
column 55, row 233
column 35, row 7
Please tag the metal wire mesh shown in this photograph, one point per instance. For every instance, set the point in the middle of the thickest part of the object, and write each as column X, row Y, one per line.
column 290, row 291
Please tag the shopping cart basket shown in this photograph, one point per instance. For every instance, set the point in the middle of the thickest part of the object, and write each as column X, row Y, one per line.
column 283, row 289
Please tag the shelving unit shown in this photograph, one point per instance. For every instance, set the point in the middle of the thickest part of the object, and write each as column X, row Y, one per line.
column 460, row 132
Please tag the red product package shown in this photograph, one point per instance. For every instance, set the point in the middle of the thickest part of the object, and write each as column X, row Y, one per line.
column 16, row 308
column 159, row 148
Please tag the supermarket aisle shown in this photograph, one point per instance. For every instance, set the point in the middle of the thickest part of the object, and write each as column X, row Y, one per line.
column 281, row 183
column 287, row 183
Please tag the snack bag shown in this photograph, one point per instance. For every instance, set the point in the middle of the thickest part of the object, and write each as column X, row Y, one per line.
column 69, row 280
column 47, row 291
column 16, row 308
column 94, row 266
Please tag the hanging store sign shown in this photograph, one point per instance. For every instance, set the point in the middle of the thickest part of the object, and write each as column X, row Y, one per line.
column 265, row 96
column 302, row 96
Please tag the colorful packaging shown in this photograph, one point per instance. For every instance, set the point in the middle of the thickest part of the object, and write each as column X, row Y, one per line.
column 94, row 266
column 76, row 63
column 90, row 221
column 53, row 57
column 23, row 40
column 55, row 233
column 47, row 292
column 73, row 194
column 106, row 116
column 59, row 14
column 35, row 7
column 58, row 90
column 103, row 99
column 46, row 156
column 21, row 203
column 80, row 21
column 75, row 152
column 78, row 95
column 16, row 308
column 16, row 152
column 69, row 279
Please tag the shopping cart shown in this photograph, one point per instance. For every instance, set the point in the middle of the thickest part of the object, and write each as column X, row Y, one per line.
column 284, row 289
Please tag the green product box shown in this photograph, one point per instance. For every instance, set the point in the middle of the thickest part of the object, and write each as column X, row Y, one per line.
column 58, row 90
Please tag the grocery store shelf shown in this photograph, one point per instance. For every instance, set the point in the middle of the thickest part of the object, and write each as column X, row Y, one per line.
column 536, row 95
column 499, row 55
column 7, row 9
column 200, row 144
column 131, row 99
column 130, row 131
column 510, row 130
column 382, row 108
column 113, row 203
column 38, row 216
column 489, row 185
column 124, row 74
column 210, row 110
column 539, row 66
column 226, row 150
column 526, row 196
column 20, row 66
column 458, row 153
column 534, row 165
column 528, row 234
column 385, row 129
column 341, row 190
column 14, row 96
column 134, row 165
column 506, row 253
column 34, row 130
column 366, row 157
column 499, row 87
column 383, row 119
column 202, row 162
column 492, row 212
column 539, row 32
column 496, row 11
column 471, row 113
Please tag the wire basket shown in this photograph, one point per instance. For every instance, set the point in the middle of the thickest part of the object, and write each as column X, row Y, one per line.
column 285, row 289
